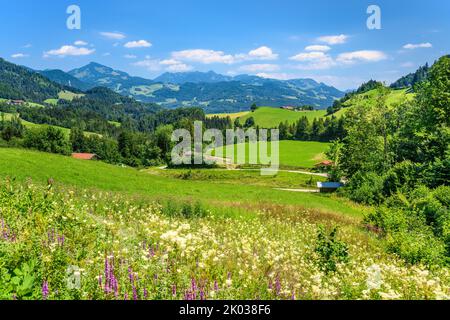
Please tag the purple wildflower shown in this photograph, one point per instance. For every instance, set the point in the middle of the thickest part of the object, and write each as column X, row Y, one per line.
column 45, row 291
column 174, row 290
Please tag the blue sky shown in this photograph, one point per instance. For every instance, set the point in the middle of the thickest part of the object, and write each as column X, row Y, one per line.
column 326, row 40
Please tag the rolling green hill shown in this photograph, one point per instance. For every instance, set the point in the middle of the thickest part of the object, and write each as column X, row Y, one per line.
column 267, row 117
column 395, row 97
column 24, row 164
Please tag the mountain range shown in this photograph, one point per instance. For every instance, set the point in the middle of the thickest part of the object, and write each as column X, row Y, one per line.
column 213, row 92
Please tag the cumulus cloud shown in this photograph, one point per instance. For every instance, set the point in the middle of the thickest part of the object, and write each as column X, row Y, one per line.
column 315, row 60
column 19, row 55
column 262, row 53
column 80, row 43
column 149, row 64
column 113, row 35
column 411, row 46
column 180, row 67
column 130, row 56
column 69, row 50
column 203, row 56
column 253, row 68
column 138, row 44
column 318, row 48
column 363, row 55
column 332, row 40
column 207, row 56
column 170, row 65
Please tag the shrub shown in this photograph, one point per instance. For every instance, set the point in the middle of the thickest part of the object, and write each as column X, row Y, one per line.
column 419, row 246
column 365, row 188
column 330, row 250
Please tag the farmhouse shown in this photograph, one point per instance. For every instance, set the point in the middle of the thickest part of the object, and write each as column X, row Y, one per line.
column 328, row 187
column 16, row 102
column 84, row 156
column 288, row 108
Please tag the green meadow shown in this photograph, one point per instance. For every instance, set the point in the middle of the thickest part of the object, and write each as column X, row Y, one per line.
column 240, row 196
column 293, row 154
column 267, row 117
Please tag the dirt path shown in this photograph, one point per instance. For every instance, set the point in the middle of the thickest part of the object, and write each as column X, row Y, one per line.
column 299, row 190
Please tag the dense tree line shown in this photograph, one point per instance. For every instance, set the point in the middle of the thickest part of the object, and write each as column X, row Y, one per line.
column 399, row 159
column 410, row 80
column 320, row 129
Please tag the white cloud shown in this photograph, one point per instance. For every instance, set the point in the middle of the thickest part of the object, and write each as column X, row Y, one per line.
column 309, row 56
column 19, row 55
column 149, row 64
column 106, row 54
column 207, row 56
column 113, row 35
column 28, row 45
column 181, row 67
column 203, row 56
column 168, row 62
column 315, row 60
column 363, row 55
column 130, row 56
column 80, row 43
column 253, row 68
column 138, row 44
column 170, row 65
column 263, row 53
column 411, row 46
column 175, row 65
column 318, row 48
column 332, row 40
column 69, row 51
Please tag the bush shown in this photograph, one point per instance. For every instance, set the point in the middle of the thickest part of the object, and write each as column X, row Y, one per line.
column 47, row 139
column 416, row 225
column 365, row 188
column 330, row 250
column 417, row 247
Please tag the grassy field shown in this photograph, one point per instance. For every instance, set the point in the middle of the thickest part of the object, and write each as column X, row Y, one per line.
column 251, row 177
column 266, row 117
column 64, row 95
column 233, row 116
column 22, row 164
column 293, row 154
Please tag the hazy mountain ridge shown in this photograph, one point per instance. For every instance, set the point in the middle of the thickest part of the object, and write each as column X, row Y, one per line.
column 209, row 90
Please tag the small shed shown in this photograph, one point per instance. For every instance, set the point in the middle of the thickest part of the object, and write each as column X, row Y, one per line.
column 328, row 187
column 324, row 164
column 84, row 156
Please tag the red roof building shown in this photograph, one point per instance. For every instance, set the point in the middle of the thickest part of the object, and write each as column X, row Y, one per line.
column 326, row 163
column 84, row 156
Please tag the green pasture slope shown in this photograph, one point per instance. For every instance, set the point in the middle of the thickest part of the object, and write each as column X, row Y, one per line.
column 23, row 164
column 395, row 97
column 267, row 117
column 293, row 154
